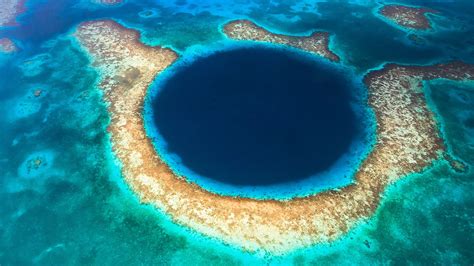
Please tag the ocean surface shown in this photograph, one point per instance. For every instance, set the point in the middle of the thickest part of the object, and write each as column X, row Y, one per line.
column 75, row 207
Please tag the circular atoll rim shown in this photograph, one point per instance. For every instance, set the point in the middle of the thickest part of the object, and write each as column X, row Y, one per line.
column 340, row 174
column 407, row 141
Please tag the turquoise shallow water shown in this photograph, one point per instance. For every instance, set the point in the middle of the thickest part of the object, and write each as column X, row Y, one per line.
column 75, row 208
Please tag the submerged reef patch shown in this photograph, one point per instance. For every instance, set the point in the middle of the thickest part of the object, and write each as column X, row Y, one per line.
column 408, row 141
column 408, row 17
column 7, row 46
column 27, row 104
column 36, row 164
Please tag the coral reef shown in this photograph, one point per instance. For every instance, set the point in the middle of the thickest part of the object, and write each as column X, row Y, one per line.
column 37, row 92
column 317, row 43
column 407, row 141
column 7, row 46
column 408, row 17
column 10, row 10
column 108, row 2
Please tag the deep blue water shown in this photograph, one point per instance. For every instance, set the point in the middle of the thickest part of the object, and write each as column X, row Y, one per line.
column 257, row 116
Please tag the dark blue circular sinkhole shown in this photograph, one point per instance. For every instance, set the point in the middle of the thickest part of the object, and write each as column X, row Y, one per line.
column 256, row 116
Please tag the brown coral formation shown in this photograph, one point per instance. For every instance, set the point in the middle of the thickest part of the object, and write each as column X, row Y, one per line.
column 408, row 17
column 35, row 164
column 317, row 43
column 37, row 92
column 7, row 46
column 408, row 141
column 9, row 10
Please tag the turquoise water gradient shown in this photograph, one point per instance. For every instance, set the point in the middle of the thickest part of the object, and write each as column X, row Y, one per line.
column 75, row 209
